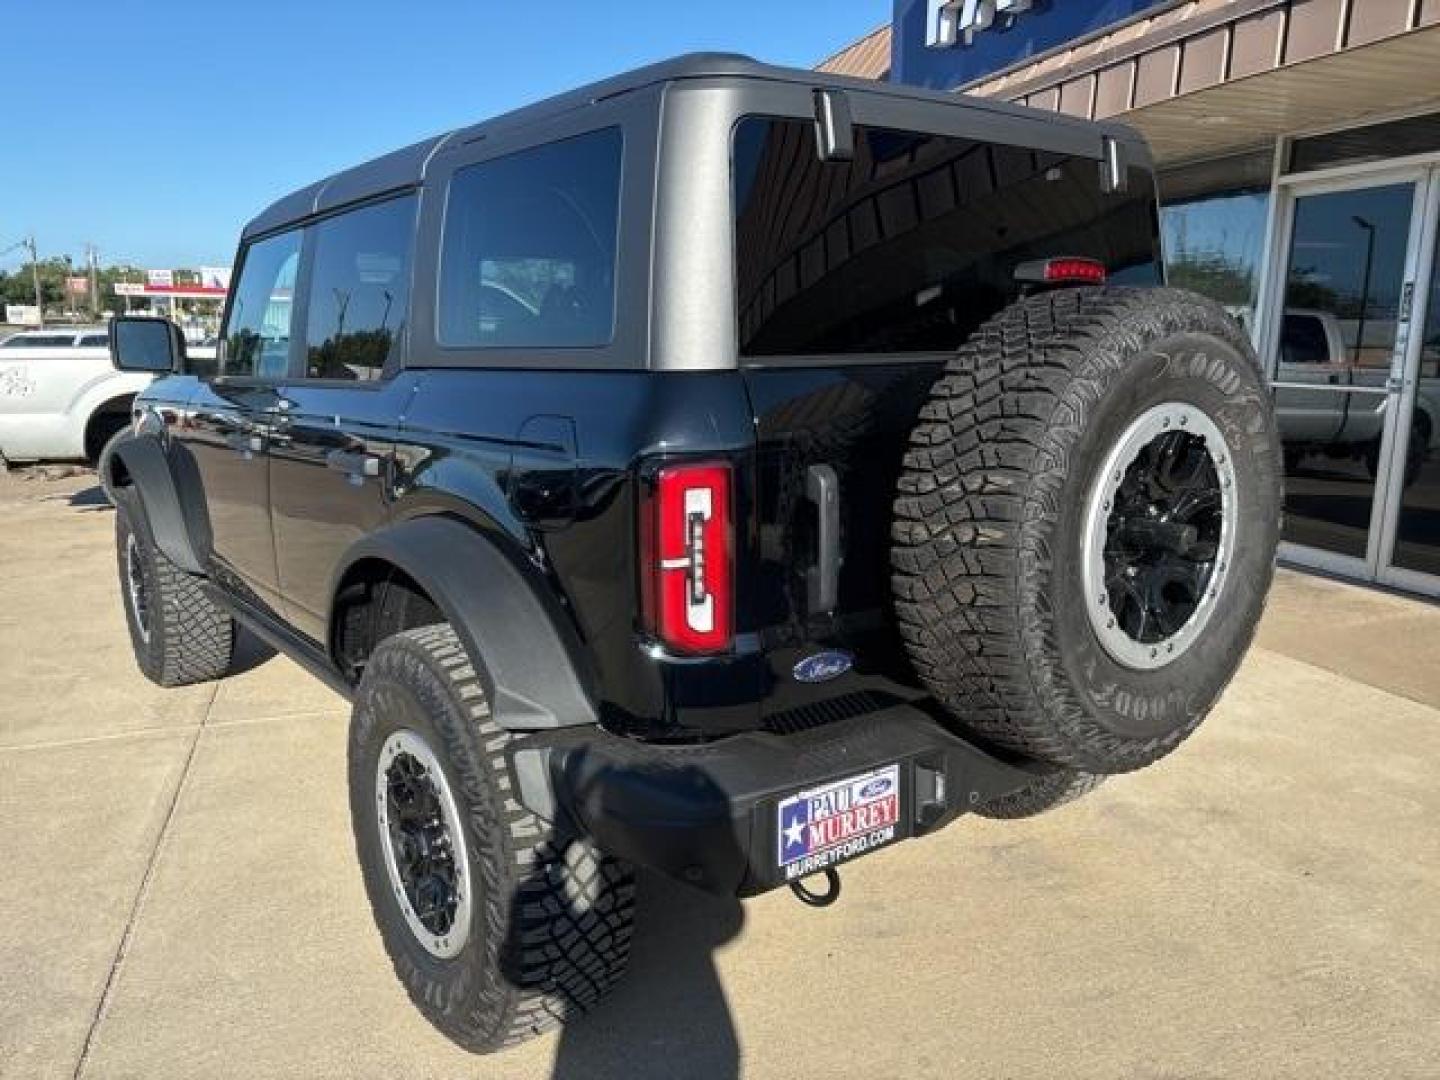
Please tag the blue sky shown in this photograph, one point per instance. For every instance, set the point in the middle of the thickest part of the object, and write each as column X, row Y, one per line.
column 156, row 129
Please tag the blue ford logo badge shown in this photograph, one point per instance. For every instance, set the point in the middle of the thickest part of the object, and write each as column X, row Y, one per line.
column 823, row 666
column 875, row 788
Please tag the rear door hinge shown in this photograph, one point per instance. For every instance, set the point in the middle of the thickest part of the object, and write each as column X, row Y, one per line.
column 1114, row 166
column 834, row 130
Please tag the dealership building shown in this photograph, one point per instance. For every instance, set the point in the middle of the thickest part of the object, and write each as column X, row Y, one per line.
column 1297, row 144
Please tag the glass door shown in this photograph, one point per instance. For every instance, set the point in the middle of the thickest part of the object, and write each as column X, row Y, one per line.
column 1413, row 559
column 1340, row 342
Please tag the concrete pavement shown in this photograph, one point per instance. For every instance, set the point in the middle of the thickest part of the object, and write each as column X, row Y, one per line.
column 181, row 898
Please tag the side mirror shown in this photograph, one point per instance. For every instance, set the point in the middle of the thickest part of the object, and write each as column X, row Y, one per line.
column 140, row 343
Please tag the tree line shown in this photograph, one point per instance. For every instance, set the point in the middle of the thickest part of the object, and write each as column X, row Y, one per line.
column 17, row 286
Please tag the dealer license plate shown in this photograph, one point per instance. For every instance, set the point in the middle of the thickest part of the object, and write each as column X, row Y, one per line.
column 838, row 821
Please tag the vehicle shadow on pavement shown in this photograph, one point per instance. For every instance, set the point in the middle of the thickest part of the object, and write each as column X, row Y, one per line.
column 90, row 498
column 668, row 1017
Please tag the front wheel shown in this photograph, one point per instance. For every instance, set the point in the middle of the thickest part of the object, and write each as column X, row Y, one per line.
column 498, row 925
column 179, row 635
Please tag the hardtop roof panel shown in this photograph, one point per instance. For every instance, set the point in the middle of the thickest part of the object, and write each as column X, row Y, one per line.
column 406, row 167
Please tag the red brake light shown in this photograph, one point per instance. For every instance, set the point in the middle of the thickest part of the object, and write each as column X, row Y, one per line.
column 686, row 578
column 1061, row 271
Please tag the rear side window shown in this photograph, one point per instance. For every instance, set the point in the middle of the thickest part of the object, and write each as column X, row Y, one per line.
column 911, row 244
column 528, row 255
column 359, row 290
column 257, row 335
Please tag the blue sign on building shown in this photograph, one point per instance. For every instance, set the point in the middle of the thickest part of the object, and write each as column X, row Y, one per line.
column 944, row 44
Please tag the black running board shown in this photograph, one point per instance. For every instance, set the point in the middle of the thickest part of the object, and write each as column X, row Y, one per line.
column 283, row 639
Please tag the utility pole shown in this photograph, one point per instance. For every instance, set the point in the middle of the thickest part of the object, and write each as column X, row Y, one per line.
column 29, row 242
column 93, row 257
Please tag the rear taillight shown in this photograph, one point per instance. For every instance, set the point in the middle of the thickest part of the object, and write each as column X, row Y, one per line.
column 687, row 548
column 1067, row 270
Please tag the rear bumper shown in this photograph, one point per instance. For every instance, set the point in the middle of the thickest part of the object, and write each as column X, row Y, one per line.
column 708, row 815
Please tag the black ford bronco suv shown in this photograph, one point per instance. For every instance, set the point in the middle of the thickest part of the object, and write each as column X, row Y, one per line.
column 721, row 469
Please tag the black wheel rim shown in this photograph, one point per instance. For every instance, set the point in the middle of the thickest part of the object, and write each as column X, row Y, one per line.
column 1160, row 534
column 1163, row 537
column 136, row 587
column 423, row 844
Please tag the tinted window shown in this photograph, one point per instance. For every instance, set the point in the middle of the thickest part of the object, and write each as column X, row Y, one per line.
column 907, row 246
column 528, row 257
column 91, row 341
column 257, row 336
column 359, row 290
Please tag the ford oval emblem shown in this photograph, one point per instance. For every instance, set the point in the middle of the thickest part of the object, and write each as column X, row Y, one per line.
column 875, row 788
column 823, row 666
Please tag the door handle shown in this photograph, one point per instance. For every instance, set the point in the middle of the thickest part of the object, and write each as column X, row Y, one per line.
column 353, row 464
column 822, row 580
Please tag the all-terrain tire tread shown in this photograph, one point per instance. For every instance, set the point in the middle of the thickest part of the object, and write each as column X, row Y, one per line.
column 194, row 638
column 975, row 516
column 1044, row 794
column 558, row 959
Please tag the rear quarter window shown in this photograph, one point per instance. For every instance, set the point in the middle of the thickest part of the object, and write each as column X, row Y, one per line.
column 912, row 244
column 529, row 244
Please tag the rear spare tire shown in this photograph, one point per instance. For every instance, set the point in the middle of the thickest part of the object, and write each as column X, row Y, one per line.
column 1041, row 795
column 1086, row 522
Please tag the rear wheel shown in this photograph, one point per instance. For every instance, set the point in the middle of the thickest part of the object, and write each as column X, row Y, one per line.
column 498, row 926
column 1086, row 524
column 179, row 634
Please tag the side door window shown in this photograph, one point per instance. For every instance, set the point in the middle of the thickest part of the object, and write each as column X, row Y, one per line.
column 257, row 335
column 359, row 291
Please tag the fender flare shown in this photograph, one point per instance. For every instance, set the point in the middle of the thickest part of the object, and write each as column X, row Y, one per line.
column 526, row 654
column 148, row 468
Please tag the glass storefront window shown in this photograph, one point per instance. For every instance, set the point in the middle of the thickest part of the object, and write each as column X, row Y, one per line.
column 1212, row 219
column 1398, row 138
column 1215, row 246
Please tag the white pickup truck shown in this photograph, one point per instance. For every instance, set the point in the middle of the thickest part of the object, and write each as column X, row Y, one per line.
column 60, row 398
column 1327, row 404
